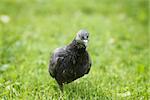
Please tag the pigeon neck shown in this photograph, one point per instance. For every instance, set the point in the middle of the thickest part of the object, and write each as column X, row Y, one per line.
column 77, row 46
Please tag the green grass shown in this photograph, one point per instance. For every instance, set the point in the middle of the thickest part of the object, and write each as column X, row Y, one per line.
column 118, row 47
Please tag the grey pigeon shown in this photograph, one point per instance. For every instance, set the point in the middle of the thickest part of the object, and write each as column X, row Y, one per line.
column 72, row 61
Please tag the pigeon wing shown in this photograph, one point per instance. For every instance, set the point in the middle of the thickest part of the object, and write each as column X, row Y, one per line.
column 56, row 60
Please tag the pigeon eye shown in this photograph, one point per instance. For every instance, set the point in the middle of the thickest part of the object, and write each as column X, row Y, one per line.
column 87, row 37
column 82, row 37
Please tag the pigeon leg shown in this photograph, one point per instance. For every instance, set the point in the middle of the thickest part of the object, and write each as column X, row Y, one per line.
column 61, row 87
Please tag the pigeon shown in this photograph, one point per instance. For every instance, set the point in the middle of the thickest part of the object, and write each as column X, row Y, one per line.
column 71, row 62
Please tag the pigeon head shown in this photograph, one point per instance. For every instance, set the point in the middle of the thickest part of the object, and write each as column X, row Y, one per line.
column 82, row 37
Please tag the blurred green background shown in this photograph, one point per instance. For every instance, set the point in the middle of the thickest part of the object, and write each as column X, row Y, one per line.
column 31, row 29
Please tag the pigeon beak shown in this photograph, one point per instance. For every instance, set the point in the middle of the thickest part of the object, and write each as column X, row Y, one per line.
column 85, row 42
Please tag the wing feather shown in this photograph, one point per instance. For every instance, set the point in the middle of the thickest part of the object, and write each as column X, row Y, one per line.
column 55, row 61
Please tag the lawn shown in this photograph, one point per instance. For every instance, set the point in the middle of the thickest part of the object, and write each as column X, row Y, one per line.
column 119, row 47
